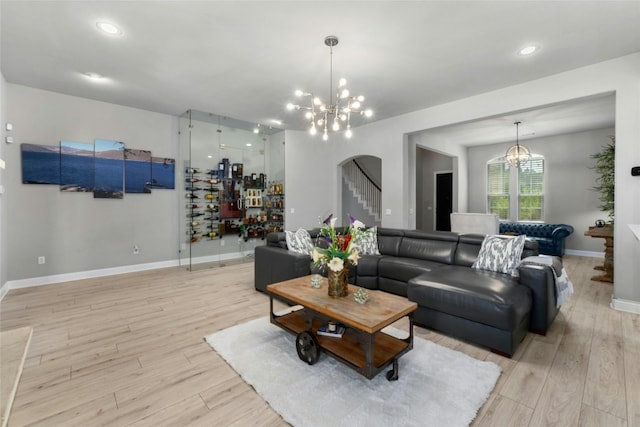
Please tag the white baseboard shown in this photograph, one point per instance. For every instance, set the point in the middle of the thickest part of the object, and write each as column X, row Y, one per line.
column 66, row 277
column 3, row 290
column 625, row 305
column 584, row 253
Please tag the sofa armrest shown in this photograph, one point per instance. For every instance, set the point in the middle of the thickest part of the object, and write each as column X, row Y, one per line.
column 561, row 232
column 541, row 281
column 273, row 265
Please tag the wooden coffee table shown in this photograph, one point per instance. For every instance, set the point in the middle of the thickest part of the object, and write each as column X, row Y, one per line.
column 363, row 347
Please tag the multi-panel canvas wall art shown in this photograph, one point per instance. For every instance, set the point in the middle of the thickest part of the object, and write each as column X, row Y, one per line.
column 137, row 171
column 40, row 164
column 109, row 169
column 105, row 168
column 76, row 166
column 163, row 173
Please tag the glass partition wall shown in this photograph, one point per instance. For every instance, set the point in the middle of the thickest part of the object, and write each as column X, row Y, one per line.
column 231, row 177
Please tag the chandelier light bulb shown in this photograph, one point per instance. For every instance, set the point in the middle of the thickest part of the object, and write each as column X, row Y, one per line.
column 317, row 101
column 348, row 133
column 290, row 106
column 343, row 117
column 308, row 115
column 368, row 113
column 320, row 122
column 336, row 125
column 344, row 94
column 325, row 137
column 355, row 104
column 360, row 98
column 313, row 130
column 342, row 82
column 299, row 92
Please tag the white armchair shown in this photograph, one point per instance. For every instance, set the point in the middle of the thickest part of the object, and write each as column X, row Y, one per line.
column 477, row 223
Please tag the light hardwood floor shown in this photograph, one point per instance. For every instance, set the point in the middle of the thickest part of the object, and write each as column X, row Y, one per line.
column 129, row 350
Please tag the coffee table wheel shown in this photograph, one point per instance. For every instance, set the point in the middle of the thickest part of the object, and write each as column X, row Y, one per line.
column 392, row 375
column 308, row 347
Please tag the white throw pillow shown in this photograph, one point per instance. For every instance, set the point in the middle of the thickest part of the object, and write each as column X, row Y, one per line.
column 299, row 241
column 500, row 254
column 367, row 242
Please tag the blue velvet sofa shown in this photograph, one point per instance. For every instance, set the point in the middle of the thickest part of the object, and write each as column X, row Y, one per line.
column 550, row 237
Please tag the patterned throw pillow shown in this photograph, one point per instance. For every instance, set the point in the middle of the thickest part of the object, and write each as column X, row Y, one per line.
column 500, row 254
column 367, row 242
column 299, row 242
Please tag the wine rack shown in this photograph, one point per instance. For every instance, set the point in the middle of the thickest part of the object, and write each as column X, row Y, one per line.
column 274, row 204
column 221, row 201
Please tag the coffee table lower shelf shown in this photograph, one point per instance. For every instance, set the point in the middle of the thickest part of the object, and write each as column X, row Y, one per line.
column 351, row 349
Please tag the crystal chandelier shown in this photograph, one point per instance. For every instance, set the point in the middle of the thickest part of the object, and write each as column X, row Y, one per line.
column 517, row 154
column 329, row 115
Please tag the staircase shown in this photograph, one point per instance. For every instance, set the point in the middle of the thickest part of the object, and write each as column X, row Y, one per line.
column 364, row 190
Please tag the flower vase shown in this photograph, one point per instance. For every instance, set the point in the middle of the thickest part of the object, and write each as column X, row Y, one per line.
column 338, row 281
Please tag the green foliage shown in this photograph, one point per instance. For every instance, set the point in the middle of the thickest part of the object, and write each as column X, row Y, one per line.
column 605, row 183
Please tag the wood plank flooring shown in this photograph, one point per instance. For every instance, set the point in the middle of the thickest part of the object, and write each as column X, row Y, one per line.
column 128, row 350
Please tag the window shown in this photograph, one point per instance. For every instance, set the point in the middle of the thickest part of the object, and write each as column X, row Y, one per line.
column 525, row 196
column 498, row 189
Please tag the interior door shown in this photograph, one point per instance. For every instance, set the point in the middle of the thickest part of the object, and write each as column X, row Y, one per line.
column 444, row 200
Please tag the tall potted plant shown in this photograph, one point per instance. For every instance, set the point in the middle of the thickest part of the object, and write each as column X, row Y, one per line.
column 605, row 183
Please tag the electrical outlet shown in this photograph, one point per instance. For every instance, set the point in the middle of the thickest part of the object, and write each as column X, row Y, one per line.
column 42, row 260
column 136, row 250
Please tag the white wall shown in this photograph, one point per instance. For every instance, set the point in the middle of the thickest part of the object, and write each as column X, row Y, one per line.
column 569, row 179
column 428, row 162
column 74, row 231
column 387, row 139
column 3, row 205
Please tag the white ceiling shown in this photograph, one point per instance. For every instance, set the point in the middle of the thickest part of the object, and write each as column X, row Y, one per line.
column 244, row 59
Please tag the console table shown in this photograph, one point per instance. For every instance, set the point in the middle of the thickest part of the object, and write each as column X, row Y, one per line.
column 605, row 233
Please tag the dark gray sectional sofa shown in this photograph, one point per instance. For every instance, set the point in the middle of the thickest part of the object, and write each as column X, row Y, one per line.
column 494, row 310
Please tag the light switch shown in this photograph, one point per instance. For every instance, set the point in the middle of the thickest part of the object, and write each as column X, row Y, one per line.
column 8, row 127
column 9, row 139
column 387, row 212
column 293, row 210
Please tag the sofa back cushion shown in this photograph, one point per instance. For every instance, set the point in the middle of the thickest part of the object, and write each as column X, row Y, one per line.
column 436, row 246
column 468, row 248
column 389, row 240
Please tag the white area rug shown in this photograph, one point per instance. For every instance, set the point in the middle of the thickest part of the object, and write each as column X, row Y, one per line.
column 437, row 386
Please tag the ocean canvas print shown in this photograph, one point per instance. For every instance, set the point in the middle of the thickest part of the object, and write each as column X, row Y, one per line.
column 76, row 166
column 109, row 169
column 163, row 173
column 40, row 164
column 137, row 171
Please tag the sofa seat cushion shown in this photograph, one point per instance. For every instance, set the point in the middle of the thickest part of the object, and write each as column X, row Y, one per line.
column 486, row 297
column 404, row 269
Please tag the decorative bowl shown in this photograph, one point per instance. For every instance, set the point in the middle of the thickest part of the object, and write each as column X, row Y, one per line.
column 361, row 295
column 316, row 280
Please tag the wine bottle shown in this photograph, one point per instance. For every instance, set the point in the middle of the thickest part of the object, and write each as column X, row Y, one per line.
column 210, row 234
column 195, row 214
column 195, row 239
column 190, row 206
column 210, row 196
column 211, row 218
column 196, row 223
column 192, row 170
column 192, row 196
column 193, row 180
column 193, row 188
column 193, row 232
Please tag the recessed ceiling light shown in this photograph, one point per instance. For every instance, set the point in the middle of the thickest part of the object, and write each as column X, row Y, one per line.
column 109, row 28
column 93, row 76
column 528, row 50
